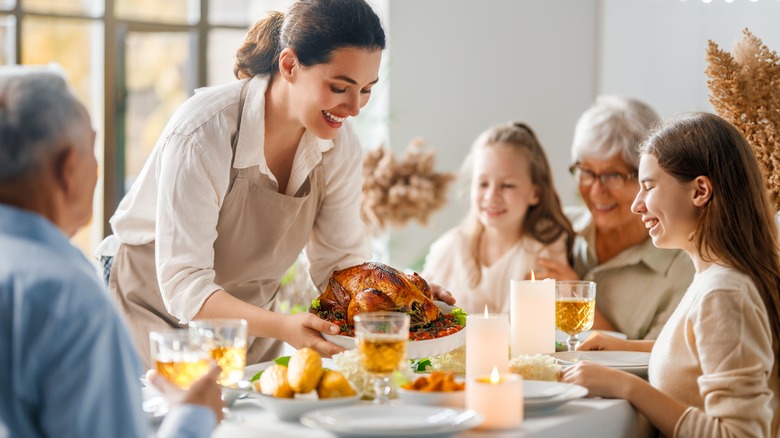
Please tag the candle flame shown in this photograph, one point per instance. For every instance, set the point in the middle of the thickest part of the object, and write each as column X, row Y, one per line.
column 533, row 277
column 486, row 312
column 494, row 376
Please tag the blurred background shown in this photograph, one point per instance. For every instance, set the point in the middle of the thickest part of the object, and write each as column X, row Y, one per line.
column 452, row 69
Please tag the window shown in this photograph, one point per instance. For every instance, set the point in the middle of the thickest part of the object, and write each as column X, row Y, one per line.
column 133, row 62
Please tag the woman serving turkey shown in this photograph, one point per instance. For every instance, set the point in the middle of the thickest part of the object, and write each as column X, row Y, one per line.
column 248, row 174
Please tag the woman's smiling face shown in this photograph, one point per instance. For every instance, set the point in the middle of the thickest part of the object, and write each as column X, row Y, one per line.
column 666, row 206
column 326, row 94
column 610, row 208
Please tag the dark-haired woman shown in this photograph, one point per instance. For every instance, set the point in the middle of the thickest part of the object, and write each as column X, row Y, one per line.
column 713, row 369
column 248, row 174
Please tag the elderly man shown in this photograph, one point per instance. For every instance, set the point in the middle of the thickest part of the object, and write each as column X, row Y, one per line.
column 68, row 366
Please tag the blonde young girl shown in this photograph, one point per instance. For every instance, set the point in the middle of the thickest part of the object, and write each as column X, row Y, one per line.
column 515, row 217
column 713, row 369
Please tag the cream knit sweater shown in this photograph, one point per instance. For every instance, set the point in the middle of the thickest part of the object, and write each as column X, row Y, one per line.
column 716, row 355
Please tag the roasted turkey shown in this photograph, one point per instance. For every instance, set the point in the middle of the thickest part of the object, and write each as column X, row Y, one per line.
column 373, row 287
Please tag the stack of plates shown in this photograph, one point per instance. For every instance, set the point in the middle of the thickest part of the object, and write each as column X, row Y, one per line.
column 634, row 362
column 392, row 421
column 562, row 337
column 539, row 396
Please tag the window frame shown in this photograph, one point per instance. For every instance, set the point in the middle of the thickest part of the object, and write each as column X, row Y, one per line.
column 114, row 91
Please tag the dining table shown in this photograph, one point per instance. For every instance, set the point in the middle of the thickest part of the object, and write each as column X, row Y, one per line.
column 582, row 418
column 579, row 417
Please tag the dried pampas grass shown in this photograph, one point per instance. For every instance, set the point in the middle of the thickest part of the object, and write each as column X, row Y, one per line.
column 745, row 90
column 396, row 191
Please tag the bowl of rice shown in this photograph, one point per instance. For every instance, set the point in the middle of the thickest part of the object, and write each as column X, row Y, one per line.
column 535, row 367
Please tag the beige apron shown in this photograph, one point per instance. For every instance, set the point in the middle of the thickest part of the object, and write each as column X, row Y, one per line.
column 260, row 234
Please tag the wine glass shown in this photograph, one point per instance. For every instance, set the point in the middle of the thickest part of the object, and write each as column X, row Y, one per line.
column 381, row 342
column 575, row 307
column 227, row 339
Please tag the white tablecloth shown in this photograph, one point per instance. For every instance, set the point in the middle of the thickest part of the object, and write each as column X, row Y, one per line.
column 585, row 418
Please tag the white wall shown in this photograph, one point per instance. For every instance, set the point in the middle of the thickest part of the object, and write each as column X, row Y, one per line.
column 655, row 49
column 459, row 66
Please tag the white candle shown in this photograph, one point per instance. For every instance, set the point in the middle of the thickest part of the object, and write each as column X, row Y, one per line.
column 487, row 343
column 498, row 398
column 532, row 317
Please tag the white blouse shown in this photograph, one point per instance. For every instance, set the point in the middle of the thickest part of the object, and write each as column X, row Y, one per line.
column 194, row 154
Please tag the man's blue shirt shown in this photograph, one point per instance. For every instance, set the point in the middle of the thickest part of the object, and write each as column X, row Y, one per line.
column 67, row 364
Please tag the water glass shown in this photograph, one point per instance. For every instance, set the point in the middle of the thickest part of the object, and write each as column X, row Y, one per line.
column 227, row 339
column 179, row 356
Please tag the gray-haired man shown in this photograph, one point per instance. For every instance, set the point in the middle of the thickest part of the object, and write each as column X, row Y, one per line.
column 68, row 366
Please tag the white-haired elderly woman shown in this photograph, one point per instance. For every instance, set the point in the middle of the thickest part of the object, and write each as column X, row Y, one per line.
column 638, row 285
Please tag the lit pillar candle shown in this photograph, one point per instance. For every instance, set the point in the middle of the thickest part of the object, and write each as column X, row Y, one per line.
column 532, row 316
column 498, row 398
column 487, row 343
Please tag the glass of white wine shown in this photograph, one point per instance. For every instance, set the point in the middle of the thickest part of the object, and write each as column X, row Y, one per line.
column 179, row 356
column 575, row 308
column 381, row 342
column 227, row 339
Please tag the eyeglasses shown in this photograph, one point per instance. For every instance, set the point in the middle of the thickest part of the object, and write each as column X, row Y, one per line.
column 610, row 180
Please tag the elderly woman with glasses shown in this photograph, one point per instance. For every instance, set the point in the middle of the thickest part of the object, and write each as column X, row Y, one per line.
column 638, row 284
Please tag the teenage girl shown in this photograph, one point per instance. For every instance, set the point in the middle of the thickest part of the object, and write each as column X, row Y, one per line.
column 713, row 369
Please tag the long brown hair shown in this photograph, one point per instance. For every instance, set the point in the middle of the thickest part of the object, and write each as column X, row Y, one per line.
column 737, row 225
column 313, row 29
column 545, row 221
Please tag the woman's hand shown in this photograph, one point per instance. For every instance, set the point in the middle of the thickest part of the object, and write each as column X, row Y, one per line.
column 601, row 381
column 299, row 330
column 204, row 392
column 441, row 294
column 663, row 411
column 554, row 269
column 303, row 330
column 600, row 341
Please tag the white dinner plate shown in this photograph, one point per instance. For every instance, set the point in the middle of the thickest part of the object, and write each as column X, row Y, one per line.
column 564, row 393
column 290, row 409
column 537, row 389
column 612, row 359
column 415, row 349
column 562, row 337
column 392, row 421
column 634, row 362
